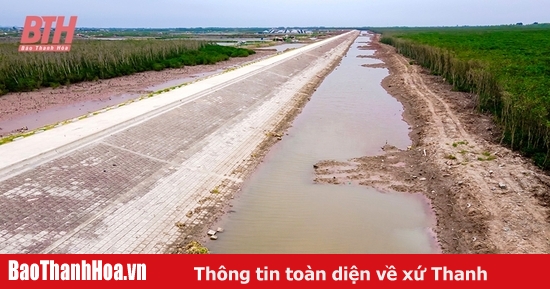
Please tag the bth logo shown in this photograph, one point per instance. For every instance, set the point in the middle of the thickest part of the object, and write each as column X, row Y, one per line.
column 37, row 32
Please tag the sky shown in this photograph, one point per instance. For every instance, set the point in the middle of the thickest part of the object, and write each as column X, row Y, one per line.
column 279, row 13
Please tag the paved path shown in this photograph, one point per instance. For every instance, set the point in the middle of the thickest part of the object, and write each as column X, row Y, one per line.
column 118, row 182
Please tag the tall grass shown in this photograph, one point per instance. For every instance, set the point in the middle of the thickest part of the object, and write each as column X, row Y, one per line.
column 508, row 69
column 101, row 59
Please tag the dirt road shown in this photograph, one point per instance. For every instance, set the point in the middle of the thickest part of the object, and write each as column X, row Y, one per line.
column 487, row 199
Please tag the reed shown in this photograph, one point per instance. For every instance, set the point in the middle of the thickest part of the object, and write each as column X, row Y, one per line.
column 102, row 59
column 508, row 70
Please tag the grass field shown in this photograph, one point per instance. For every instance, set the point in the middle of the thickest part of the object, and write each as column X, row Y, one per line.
column 508, row 67
column 101, row 59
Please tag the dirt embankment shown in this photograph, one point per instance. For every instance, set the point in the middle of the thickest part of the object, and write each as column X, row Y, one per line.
column 487, row 199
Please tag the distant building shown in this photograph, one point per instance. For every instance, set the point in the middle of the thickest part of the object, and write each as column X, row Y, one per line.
column 287, row 31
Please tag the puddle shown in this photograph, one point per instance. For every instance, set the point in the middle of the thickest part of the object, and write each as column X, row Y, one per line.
column 281, row 210
column 57, row 114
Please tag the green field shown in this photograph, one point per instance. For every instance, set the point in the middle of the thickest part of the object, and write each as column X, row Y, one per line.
column 508, row 67
column 102, row 59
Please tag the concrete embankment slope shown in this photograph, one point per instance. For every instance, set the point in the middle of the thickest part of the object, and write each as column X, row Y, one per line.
column 120, row 181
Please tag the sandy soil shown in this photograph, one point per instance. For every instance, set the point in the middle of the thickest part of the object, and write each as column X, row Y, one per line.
column 487, row 199
column 17, row 109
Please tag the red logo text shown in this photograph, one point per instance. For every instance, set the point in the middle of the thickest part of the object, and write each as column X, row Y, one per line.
column 37, row 32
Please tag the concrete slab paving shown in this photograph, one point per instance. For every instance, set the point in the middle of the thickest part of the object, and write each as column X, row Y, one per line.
column 119, row 181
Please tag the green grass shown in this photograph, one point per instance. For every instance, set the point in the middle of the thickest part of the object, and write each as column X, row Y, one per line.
column 508, row 67
column 195, row 247
column 102, row 59
column 455, row 144
column 451, row 157
column 489, row 158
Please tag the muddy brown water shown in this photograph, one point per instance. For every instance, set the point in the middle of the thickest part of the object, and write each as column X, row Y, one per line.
column 61, row 113
column 57, row 114
column 281, row 210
